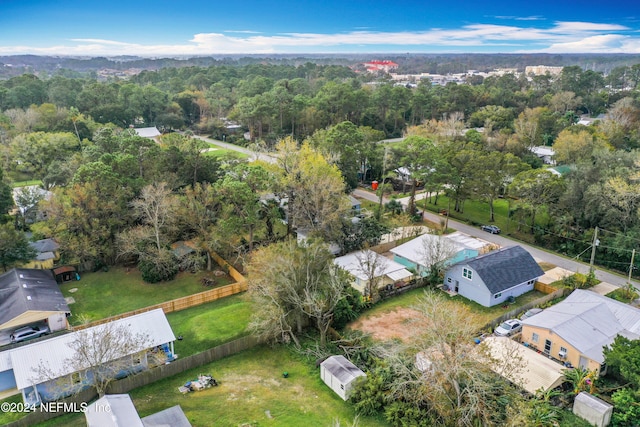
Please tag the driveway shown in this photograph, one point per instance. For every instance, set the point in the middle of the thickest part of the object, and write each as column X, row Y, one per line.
column 252, row 154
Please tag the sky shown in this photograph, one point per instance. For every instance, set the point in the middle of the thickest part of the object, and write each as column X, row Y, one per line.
column 162, row 28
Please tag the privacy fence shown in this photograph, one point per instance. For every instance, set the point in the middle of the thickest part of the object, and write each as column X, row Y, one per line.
column 190, row 300
column 74, row 403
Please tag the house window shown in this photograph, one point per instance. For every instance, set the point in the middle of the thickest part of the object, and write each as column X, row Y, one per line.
column 498, row 295
column 563, row 350
column 448, row 279
column 76, row 378
column 535, row 337
column 467, row 273
column 342, row 386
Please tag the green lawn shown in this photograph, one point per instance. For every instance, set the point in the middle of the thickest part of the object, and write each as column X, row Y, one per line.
column 26, row 183
column 218, row 151
column 208, row 325
column 103, row 294
column 251, row 383
column 477, row 213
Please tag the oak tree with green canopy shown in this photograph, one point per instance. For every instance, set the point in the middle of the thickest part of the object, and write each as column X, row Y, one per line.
column 14, row 247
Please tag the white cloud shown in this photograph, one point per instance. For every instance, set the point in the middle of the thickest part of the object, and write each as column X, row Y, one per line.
column 563, row 36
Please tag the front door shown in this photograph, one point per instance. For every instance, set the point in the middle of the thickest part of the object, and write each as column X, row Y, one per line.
column 583, row 363
column 547, row 347
column 457, row 284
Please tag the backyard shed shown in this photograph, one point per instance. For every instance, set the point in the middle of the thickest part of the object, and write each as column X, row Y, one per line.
column 339, row 374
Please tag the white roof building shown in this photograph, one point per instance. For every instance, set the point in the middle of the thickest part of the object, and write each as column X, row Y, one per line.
column 150, row 132
column 358, row 263
column 54, row 353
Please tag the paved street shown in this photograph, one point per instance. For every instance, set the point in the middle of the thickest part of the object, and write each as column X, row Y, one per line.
column 537, row 253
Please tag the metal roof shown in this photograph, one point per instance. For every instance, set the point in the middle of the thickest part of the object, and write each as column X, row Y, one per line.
column 150, row 132
column 27, row 289
column 538, row 371
column 55, row 352
column 343, row 370
column 356, row 264
column 505, row 268
column 113, row 410
column 414, row 250
column 588, row 322
column 170, row 417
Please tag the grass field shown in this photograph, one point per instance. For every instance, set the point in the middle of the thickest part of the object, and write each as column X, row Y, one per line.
column 217, row 151
column 103, row 294
column 477, row 213
column 208, row 325
column 251, row 383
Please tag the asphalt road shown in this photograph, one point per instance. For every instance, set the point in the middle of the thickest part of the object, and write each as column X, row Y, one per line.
column 538, row 253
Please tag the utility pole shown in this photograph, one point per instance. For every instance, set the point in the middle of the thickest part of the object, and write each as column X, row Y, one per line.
column 595, row 243
column 633, row 254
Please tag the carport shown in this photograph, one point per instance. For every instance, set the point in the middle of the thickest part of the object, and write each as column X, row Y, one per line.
column 539, row 372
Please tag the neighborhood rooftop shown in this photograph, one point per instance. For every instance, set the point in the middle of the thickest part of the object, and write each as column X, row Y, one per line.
column 357, row 263
column 505, row 268
column 589, row 321
column 54, row 352
column 26, row 291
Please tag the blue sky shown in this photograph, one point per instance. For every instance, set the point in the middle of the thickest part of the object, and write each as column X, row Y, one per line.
column 172, row 27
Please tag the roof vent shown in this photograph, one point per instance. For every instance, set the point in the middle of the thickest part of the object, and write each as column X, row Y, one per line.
column 24, row 285
column 29, row 297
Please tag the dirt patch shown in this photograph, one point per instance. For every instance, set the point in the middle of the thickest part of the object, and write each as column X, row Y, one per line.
column 394, row 324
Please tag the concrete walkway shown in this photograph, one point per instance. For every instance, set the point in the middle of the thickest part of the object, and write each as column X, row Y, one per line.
column 603, row 288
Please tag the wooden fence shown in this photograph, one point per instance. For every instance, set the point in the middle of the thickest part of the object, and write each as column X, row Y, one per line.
column 178, row 303
column 516, row 312
column 76, row 402
column 545, row 289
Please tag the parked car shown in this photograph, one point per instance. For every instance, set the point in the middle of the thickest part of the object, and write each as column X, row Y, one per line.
column 530, row 312
column 28, row 332
column 508, row 328
column 493, row 229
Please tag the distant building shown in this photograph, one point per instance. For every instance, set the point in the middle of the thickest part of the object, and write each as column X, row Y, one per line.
column 541, row 70
column 376, row 66
column 545, row 154
column 150, row 132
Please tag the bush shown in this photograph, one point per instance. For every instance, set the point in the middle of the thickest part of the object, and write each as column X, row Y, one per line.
column 160, row 269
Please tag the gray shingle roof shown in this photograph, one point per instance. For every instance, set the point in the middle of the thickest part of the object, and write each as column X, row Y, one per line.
column 25, row 289
column 505, row 268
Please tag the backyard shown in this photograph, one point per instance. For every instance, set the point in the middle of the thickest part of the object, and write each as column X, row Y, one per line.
column 389, row 318
column 119, row 290
column 252, row 392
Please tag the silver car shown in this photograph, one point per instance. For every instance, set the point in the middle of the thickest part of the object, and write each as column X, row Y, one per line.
column 28, row 332
column 508, row 328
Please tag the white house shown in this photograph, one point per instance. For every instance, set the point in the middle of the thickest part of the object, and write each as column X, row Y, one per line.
column 339, row 374
column 20, row 368
column 366, row 265
column 545, row 154
column 495, row 277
